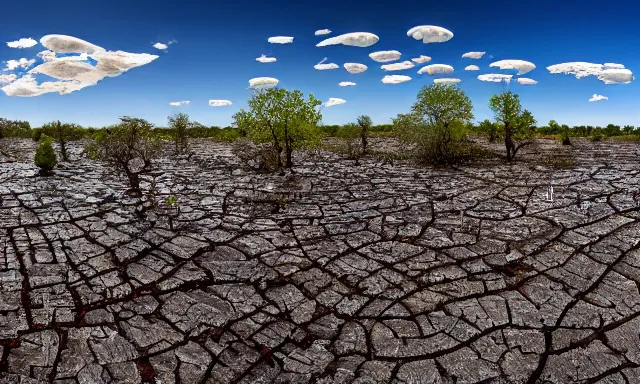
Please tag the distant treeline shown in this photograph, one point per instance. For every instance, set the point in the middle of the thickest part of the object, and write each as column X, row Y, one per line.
column 22, row 129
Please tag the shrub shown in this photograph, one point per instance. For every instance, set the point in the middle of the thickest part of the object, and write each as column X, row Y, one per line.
column 45, row 157
column 62, row 134
column 351, row 136
column 595, row 137
column 179, row 124
column 259, row 157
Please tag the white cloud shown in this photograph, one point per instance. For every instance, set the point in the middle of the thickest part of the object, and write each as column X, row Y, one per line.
column 266, row 59
column 354, row 39
column 22, row 43
column 398, row 66
column 22, row 63
column 395, row 79
column 597, row 97
column 609, row 73
column 355, row 67
column 219, row 103
column 160, row 46
column 323, row 67
column 526, row 81
column 495, row 77
column 263, row 82
column 430, row 34
column 446, row 81
column 347, row 84
column 473, row 55
column 5, row 79
column 280, row 40
column 471, row 68
column 521, row 65
column 436, row 69
column 179, row 103
column 422, row 59
column 334, row 101
column 69, row 44
column 323, row 32
column 384, row 56
column 73, row 72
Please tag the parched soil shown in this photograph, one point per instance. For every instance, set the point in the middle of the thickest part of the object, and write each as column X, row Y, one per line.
column 379, row 273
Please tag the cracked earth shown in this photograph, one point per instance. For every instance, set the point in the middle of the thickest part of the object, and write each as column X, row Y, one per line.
column 378, row 273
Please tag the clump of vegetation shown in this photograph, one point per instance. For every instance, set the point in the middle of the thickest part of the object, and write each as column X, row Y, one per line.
column 365, row 123
column 490, row 129
column 45, row 157
column 595, row 137
column 128, row 146
column 519, row 124
column 259, row 157
column 351, row 135
column 559, row 161
column 282, row 118
column 436, row 124
column 14, row 128
column 179, row 124
column 62, row 134
column 565, row 135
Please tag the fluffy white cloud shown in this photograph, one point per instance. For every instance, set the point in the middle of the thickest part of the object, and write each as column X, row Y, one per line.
column 609, row 73
column 219, row 103
column 422, row 59
column 263, row 82
column 473, row 55
column 266, row 59
column 179, row 103
column 521, row 65
column 324, row 67
column 354, row 39
column 72, row 72
column 355, row 67
column 334, row 101
column 446, row 81
column 69, row 44
column 398, row 66
column 160, row 46
column 22, row 63
column 526, row 81
column 395, row 79
column 436, row 69
column 320, row 32
column 597, row 97
column 5, row 79
column 495, row 77
column 347, row 84
column 471, row 68
column 22, row 43
column 384, row 56
column 280, row 40
column 430, row 34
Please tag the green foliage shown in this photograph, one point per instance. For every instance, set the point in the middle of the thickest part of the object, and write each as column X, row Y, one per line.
column 62, row 134
column 125, row 144
column 179, row 124
column 519, row 124
column 490, row 128
column 595, row 137
column 436, row 123
column 45, row 157
column 284, row 119
column 565, row 135
column 14, row 128
column 351, row 135
column 171, row 201
column 364, row 122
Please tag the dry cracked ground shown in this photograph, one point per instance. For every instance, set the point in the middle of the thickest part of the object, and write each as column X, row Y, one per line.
column 378, row 273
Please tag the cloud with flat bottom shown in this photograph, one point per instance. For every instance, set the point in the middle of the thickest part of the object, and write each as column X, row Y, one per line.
column 334, row 101
column 321, row 32
column 179, row 103
column 430, row 34
column 473, row 55
column 280, row 40
column 219, row 103
column 597, row 97
column 526, row 81
column 353, row 39
column 446, row 81
column 397, row 66
column 395, row 79
column 347, row 84
column 263, row 82
column 266, row 59
column 495, row 77
column 521, row 65
column 434, row 69
column 22, row 43
column 384, row 56
column 608, row 73
column 471, row 68
column 422, row 59
column 355, row 68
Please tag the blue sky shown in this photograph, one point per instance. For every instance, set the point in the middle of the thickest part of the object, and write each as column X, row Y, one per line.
column 217, row 44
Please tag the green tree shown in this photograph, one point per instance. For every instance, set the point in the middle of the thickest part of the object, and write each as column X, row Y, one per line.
column 62, row 134
column 565, row 134
column 179, row 123
column 612, row 130
column 351, row 134
column 628, row 129
column 519, row 124
column 364, row 122
column 489, row 127
column 45, row 157
column 431, row 124
column 554, row 127
column 128, row 146
column 284, row 119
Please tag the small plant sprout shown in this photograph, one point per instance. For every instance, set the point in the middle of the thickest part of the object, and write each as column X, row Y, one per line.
column 171, row 201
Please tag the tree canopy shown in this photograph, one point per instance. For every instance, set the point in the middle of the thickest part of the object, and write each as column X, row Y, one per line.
column 519, row 124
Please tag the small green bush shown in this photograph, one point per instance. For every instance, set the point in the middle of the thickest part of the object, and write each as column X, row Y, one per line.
column 595, row 137
column 46, row 158
column 351, row 137
column 36, row 134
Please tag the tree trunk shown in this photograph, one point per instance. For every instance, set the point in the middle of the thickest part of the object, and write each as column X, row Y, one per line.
column 289, row 150
column 364, row 139
column 508, row 142
column 134, row 183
